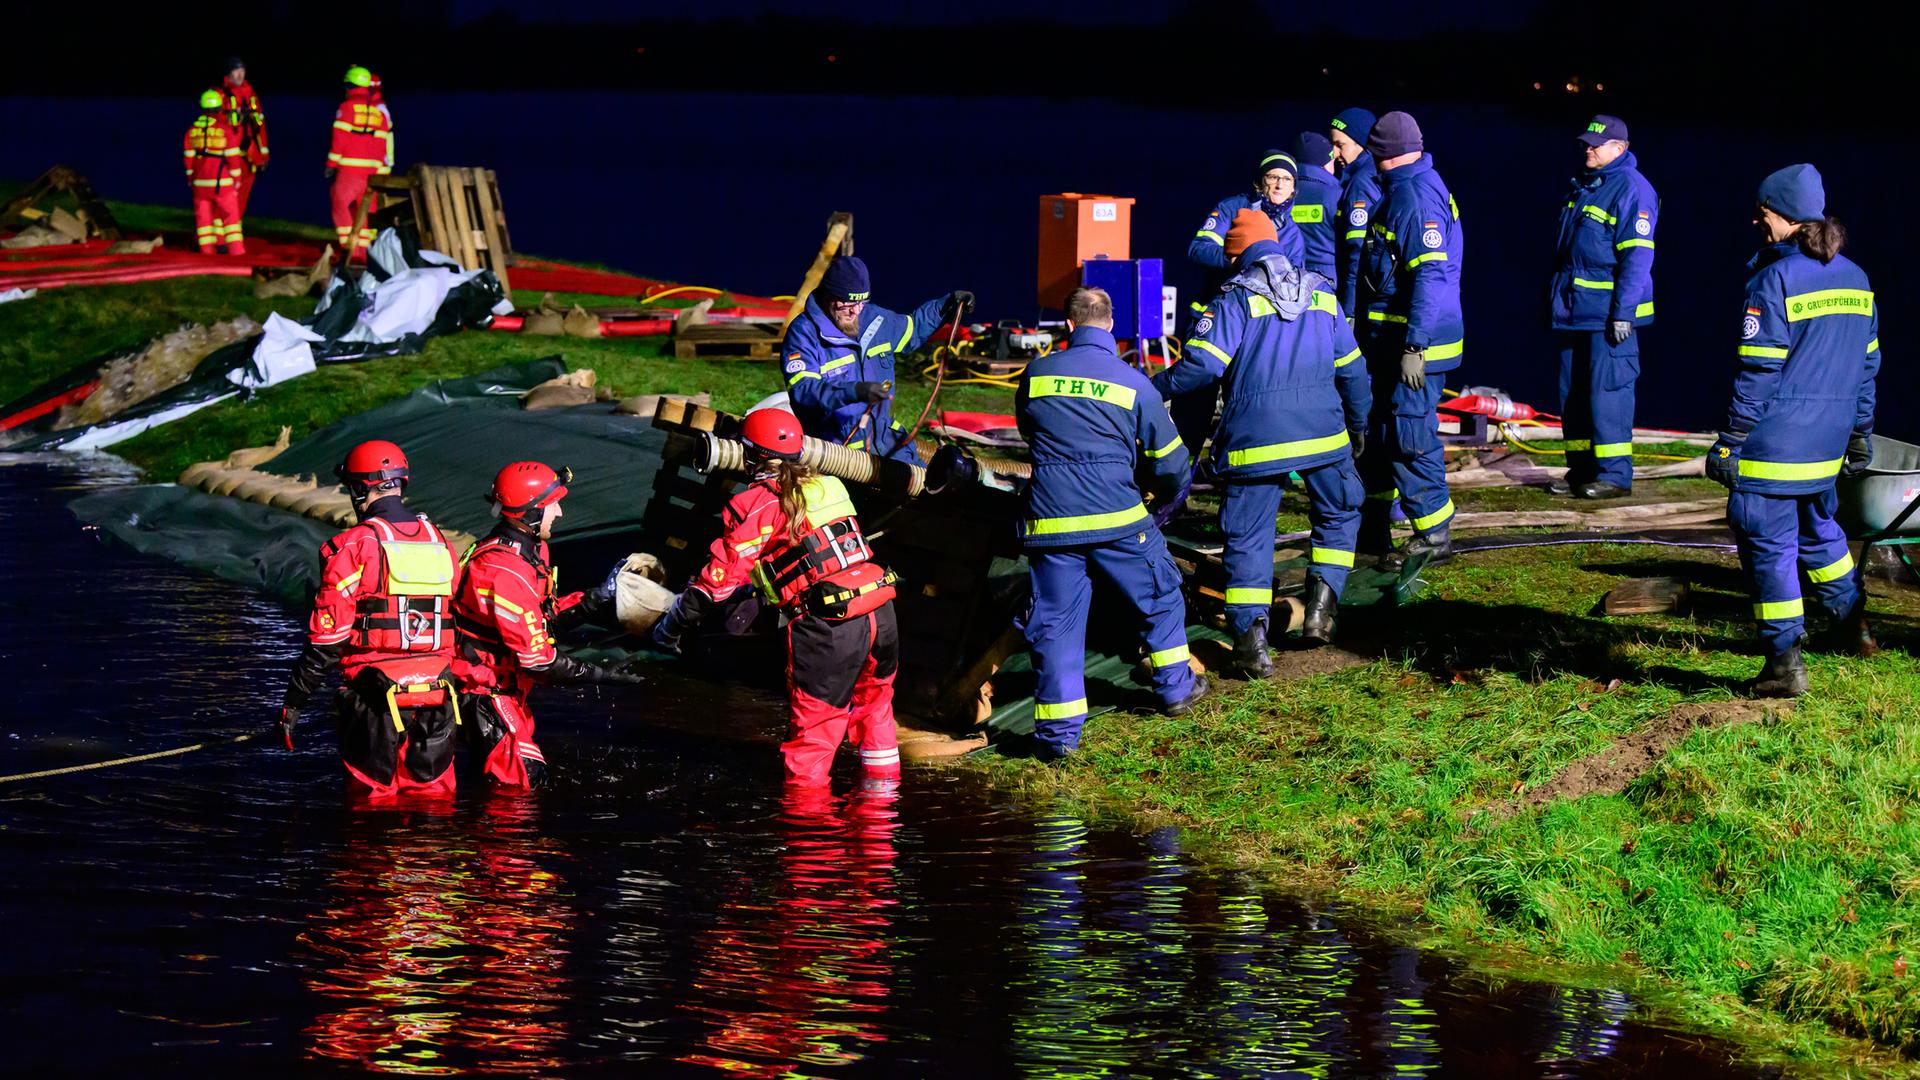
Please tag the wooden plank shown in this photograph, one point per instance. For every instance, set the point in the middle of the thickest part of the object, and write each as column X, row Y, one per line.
column 457, row 224
column 426, row 206
column 837, row 233
column 499, row 211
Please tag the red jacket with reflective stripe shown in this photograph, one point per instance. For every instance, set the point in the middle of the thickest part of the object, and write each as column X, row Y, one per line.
column 754, row 535
column 211, row 152
column 243, row 114
column 503, row 606
column 353, row 572
column 362, row 134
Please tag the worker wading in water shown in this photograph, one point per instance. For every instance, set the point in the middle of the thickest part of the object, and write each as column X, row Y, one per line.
column 384, row 614
column 1802, row 415
column 792, row 535
column 509, row 617
column 215, row 163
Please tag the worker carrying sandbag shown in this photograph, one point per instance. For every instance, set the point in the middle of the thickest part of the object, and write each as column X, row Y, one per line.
column 509, row 618
column 362, row 148
column 793, row 535
column 243, row 114
column 1802, row 415
column 384, row 613
column 215, row 161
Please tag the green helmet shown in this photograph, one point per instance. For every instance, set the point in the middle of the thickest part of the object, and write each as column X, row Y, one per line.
column 359, row 76
column 212, row 99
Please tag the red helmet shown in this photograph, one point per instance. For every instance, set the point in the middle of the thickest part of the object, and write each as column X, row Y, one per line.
column 527, row 487
column 370, row 465
column 772, row 433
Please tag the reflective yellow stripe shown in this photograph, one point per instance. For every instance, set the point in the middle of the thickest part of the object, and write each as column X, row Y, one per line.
column 1812, row 305
column 502, row 601
column 1165, row 450
column 1386, row 232
column 1625, row 244
column 356, row 163
column 1063, row 710
column 1258, row 306
column 1092, row 389
column 1873, row 346
column 1213, row 236
column 1347, row 359
column 1309, row 214
column 880, row 350
column 1254, row 455
column 1790, row 470
column 1779, row 609
column 857, row 444
column 1167, row 657
column 1250, row 596
column 1431, row 256
column 1763, row 350
column 798, row 375
column 1613, row 449
column 1598, row 214
column 1085, row 522
column 1447, row 351
column 1435, row 518
column 1643, row 310
column 1357, row 234
column 901, row 345
column 1835, row 570
column 1381, row 316
column 837, row 363
column 347, row 583
column 1208, row 347
column 1332, row 557
column 1326, row 302
column 1585, row 284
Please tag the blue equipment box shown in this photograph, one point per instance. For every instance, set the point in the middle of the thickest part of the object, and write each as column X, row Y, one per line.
column 1134, row 285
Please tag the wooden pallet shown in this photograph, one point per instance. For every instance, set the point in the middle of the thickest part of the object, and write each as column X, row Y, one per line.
column 60, row 178
column 458, row 213
column 752, row 341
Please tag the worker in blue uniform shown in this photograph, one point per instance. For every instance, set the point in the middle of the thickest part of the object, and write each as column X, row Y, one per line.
column 840, row 353
column 1297, row 401
column 1316, row 205
column 1602, row 296
column 1802, row 415
column 1095, row 426
column 1274, row 179
column 1412, row 332
column 1359, row 194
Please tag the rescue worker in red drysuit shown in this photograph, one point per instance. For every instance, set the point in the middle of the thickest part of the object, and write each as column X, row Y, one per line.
column 243, row 113
column 793, row 534
column 384, row 613
column 214, row 161
column 362, row 148
column 508, row 617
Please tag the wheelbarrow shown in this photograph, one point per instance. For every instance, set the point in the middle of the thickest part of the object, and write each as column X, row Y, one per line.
column 1882, row 504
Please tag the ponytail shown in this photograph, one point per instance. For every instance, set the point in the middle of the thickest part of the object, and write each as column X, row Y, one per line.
column 1822, row 239
column 790, row 480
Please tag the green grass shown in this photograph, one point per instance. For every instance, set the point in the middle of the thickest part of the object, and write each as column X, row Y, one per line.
column 1766, row 874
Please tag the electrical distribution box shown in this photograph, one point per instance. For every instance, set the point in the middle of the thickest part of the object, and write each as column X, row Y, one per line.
column 1135, row 285
column 1075, row 228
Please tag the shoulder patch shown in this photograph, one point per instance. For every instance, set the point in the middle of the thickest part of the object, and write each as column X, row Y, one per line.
column 1432, row 238
column 796, row 365
column 1750, row 326
column 1213, row 221
column 1359, row 215
column 1643, row 226
column 1203, row 327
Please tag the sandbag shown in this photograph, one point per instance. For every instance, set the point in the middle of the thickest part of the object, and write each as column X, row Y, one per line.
column 639, row 598
column 579, row 322
column 576, row 387
column 645, row 405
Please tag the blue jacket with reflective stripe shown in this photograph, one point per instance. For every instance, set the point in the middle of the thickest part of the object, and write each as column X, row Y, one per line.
column 1092, row 422
column 1316, row 211
column 1809, row 353
column 1294, row 386
column 1359, row 197
column 1209, row 246
column 1410, row 270
column 1603, row 268
column 821, row 365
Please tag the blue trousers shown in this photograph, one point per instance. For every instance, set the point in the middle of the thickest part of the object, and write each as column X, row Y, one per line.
column 1779, row 536
column 1403, row 458
column 1596, row 405
column 1246, row 516
column 1140, row 569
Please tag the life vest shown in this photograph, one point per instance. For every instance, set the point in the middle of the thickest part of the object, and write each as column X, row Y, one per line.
column 411, row 612
column 829, row 572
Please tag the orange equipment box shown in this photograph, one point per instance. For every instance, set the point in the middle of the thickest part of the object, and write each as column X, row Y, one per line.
column 1073, row 229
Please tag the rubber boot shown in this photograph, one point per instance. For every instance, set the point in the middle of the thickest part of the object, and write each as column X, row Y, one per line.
column 1185, row 705
column 1601, row 489
column 1560, row 486
column 1851, row 636
column 1250, row 653
column 1428, row 548
column 1322, row 605
column 1784, row 676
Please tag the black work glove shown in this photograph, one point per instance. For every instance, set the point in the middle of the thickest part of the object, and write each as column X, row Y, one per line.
column 1618, row 331
column 283, row 723
column 330, row 171
column 1723, row 460
column 688, row 609
column 1413, row 368
column 1359, row 440
column 565, row 669
column 959, row 302
column 1859, row 454
column 602, row 594
column 873, row 393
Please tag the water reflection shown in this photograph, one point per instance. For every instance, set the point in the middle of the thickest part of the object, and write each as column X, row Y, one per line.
column 442, row 945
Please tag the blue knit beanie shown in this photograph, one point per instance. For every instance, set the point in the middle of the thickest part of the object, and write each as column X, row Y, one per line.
column 1275, row 159
column 1393, row 135
column 1795, row 193
column 1356, row 122
column 846, row 279
column 1312, row 149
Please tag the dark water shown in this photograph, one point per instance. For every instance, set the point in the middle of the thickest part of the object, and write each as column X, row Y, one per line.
column 733, row 190
column 662, row 906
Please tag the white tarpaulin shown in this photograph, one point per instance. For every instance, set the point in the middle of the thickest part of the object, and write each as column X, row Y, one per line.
column 285, row 352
